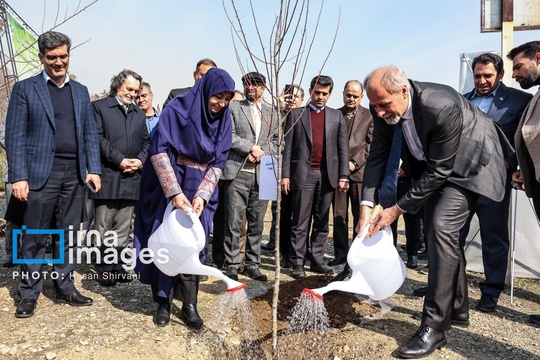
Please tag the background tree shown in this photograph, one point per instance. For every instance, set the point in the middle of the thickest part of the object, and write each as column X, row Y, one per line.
column 279, row 47
column 9, row 54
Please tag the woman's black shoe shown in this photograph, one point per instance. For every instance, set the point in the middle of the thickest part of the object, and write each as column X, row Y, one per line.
column 193, row 320
column 163, row 315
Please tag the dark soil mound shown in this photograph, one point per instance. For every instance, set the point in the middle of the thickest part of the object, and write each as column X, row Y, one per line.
column 342, row 307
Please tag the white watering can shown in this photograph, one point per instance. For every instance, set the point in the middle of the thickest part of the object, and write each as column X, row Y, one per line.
column 182, row 237
column 377, row 269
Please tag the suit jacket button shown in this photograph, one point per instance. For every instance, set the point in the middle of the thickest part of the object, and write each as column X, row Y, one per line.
column 52, row 149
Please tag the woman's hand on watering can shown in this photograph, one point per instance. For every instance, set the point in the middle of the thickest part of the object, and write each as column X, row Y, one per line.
column 180, row 201
column 198, row 205
column 384, row 219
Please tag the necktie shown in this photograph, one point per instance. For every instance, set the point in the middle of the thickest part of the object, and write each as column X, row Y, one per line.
column 387, row 195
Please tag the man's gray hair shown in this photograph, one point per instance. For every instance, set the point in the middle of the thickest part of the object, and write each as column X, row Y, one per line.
column 145, row 84
column 392, row 80
column 119, row 79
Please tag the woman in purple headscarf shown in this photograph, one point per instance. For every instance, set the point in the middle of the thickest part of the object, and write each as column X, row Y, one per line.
column 184, row 163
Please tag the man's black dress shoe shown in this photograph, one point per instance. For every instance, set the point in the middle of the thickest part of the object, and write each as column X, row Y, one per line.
column 106, row 278
column 163, row 315
column 232, row 273
column 122, row 276
column 461, row 320
column 424, row 342
column 26, row 308
column 298, row 272
column 346, row 272
column 254, row 273
column 535, row 319
column 321, row 268
column 336, row 262
column 420, row 291
column 74, row 299
column 412, row 262
column 8, row 263
column 487, row 303
column 270, row 246
column 193, row 320
column 286, row 262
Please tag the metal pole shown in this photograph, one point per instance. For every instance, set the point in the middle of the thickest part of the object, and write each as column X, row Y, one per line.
column 507, row 39
column 513, row 247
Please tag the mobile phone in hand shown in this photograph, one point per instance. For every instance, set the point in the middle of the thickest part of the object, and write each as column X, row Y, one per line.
column 91, row 186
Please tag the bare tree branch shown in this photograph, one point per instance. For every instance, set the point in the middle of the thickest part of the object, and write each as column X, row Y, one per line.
column 290, row 45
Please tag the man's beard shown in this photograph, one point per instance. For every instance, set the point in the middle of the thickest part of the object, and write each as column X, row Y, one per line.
column 531, row 79
column 393, row 120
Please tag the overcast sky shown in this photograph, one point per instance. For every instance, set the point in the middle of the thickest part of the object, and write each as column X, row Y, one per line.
column 163, row 39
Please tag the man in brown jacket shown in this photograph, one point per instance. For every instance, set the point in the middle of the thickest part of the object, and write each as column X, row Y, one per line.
column 526, row 71
column 360, row 130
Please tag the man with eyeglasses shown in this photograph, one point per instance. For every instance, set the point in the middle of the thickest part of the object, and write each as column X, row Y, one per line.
column 254, row 135
column 53, row 150
column 123, row 142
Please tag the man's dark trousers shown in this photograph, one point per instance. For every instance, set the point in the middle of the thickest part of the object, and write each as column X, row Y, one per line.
column 63, row 194
column 495, row 239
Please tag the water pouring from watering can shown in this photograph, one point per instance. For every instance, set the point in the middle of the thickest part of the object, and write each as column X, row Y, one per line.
column 182, row 236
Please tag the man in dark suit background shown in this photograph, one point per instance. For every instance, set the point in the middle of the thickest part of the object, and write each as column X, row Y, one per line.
column 504, row 105
column 526, row 71
column 315, row 162
column 123, row 143
column 459, row 154
column 359, row 124
column 200, row 69
column 52, row 150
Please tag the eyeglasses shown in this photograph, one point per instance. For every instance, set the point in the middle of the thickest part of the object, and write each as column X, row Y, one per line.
column 248, row 84
column 52, row 58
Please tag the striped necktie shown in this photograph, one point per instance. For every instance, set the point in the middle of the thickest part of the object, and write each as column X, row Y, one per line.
column 388, row 192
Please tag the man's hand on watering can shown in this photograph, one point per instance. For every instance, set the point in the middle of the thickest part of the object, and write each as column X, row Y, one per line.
column 384, row 219
column 198, row 205
column 180, row 201
column 365, row 215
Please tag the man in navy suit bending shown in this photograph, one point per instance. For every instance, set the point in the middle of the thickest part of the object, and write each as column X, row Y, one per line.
column 52, row 149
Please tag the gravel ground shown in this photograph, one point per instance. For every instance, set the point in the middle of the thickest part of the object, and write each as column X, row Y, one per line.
column 119, row 324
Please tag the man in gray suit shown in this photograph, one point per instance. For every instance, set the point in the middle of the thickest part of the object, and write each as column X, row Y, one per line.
column 460, row 155
column 504, row 105
column 254, row 135
column 315, row 163
column 526, row 71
